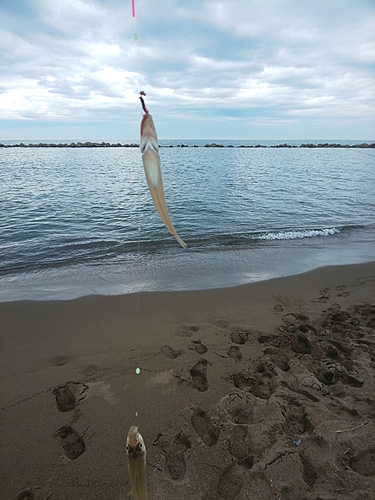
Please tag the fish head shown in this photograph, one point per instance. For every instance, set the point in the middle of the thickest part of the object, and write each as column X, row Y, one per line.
column 135, row 446
column 148, row 133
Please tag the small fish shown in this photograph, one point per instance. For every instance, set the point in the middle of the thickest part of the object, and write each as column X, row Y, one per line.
column 151, row 162
column 136, row 451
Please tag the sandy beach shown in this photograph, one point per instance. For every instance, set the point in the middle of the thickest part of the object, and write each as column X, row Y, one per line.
column 262, row 391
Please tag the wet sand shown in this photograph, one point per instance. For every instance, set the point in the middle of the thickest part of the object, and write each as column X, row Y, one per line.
column 261, row 391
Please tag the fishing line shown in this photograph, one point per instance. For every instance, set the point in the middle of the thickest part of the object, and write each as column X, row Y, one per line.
column 136, row 38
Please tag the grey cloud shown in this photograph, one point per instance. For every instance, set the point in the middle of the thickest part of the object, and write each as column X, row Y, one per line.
column 285, row 57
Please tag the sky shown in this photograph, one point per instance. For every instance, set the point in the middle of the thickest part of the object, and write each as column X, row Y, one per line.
column 229, row 69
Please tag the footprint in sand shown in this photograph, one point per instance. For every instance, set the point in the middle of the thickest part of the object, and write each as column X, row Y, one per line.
column 238, row 337
column 68, row 395
column 324, row 295
column 65, row 399
column 196, row 345
column 169, row 352
column 309, row 474
column 175, row 463
column 341, row 292
column 242, row 415
column 204, row 427
column 301, row 344
column 230, row 482
column 297, row 420
column 198, row 375
column 187, row 330
column 235, row 353
column 25, row 495
column 278, row 358
column 72, row 443
column 239, row 443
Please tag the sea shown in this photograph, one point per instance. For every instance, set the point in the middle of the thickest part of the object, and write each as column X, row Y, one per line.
column 80, row 221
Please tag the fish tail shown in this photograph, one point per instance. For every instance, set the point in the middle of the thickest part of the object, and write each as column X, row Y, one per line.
column 181, row 241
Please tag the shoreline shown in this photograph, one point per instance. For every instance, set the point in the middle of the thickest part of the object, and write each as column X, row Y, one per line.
column 212, row 269
column 230, row 380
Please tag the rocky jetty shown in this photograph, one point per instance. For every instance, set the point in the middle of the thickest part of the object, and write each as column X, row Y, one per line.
column 212, row 145
column 337, row 145
column 71, row 145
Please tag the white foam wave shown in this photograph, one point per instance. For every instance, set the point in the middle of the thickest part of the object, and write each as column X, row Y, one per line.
column 295, row 234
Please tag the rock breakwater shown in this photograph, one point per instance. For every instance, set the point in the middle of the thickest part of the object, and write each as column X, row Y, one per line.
column 212, row 145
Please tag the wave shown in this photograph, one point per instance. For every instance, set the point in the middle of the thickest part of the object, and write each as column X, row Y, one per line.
column 226, row 241
column 270, row 235
column 95, row 252
column 297, row 234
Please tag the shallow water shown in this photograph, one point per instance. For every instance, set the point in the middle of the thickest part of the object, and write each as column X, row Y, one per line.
column 79, row 221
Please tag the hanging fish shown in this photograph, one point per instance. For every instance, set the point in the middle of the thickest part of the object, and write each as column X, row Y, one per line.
column 151, row 162
column 136, row 451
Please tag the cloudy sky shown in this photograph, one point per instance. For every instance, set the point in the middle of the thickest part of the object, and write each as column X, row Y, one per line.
column 229, row 69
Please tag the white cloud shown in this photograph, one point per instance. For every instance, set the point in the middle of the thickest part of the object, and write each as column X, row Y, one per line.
column 272, row 61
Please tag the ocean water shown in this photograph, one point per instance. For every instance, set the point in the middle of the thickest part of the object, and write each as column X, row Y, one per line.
column 81, row 221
